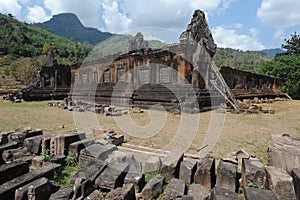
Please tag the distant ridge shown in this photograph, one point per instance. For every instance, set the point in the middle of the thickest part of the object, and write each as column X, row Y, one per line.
column 272, row 52
column 68, row 25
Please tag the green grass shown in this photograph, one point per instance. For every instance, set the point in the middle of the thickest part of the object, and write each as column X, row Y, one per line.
column 64, row 178
column 150, row 175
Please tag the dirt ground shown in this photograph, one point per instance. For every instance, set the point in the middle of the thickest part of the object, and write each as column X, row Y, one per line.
column 248, row 131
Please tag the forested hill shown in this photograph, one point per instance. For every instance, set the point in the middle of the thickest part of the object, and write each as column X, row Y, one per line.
column 246, row 60
column 23, row 47
column 68, row 25
column 19, row 39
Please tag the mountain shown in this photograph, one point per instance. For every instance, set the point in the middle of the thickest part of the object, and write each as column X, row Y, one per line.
column 68, row 25
column 272, row 52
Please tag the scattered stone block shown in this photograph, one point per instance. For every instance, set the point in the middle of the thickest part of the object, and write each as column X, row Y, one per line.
column 223, row 194
column 33, row 144
column 134, row 164
column 7, row 190
column 10, row 145
column 259, row 194
column 96, row 151
column 116, row 139
column 152, row 164
column 254, row 172
column 175, row 189
column 185, row 197
column 206, row 172
column 113, row 176
column 21, row 136
column 95, row 195
column 46, row 141
column 284, row 152
column 242, row 154
column 187, row 170
column 125, row 192
column 296, row 181
column 135, row 178
column 4, row 137
column 59, row 145
column 12, row 170
column 153, row 188
column 280, row 182
column 11, row 155
column 171, row 170
column 62, row 194
column 37, row 161
column 82, row 188
column 198, row 192
column 76, row 147
column 227, row 175
column 91, row 171
column 43, row 188
column 58, row 159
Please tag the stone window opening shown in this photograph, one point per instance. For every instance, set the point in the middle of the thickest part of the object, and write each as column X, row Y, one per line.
column 121, row 74
column 84, row 78
column 95, row 77
column 106, row 76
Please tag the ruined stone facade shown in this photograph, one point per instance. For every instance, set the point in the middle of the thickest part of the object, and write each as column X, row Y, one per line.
column 53, row 81
column 144, row 77
column 245, row 84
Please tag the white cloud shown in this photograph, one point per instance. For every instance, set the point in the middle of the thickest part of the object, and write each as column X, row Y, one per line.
column 11, row 6
column 229, row 38
column 37, row 14
column 280, row 13
column 254, row 32
column 155, row 13
column 280, row 34
column 114, row 20
column 212, row 5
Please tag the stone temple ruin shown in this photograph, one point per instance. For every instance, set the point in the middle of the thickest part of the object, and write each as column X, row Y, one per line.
column 179, row 75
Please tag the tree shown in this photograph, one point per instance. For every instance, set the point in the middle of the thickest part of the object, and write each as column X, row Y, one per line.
column 292, row 45
column 287, row 68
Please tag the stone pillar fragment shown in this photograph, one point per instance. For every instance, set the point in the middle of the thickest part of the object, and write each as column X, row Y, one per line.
column 187, row 170
column 205, row 173
column 280, row 182
column 254, row 172
column 227, row 175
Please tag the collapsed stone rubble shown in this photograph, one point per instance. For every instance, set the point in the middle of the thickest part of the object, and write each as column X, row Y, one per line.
column 112, row 172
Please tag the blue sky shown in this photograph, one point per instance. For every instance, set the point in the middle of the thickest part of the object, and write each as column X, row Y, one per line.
column 239, row 24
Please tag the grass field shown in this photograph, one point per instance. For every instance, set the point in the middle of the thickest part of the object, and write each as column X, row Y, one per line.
column 248, row 131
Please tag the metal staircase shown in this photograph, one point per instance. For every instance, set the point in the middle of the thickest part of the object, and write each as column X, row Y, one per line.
column 219, row 84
